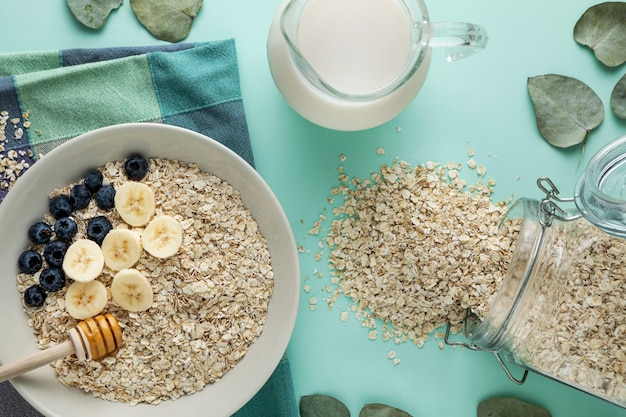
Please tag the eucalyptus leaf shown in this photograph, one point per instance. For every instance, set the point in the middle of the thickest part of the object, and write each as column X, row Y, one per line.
column 603, row 29
column 93, row 13
column 618, row 98
column 566, row 109
column 382, row 410
column 168, row 20
column 510, row 407
column 322, row 406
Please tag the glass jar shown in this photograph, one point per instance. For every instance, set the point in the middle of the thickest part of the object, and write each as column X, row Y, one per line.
column 561, row 308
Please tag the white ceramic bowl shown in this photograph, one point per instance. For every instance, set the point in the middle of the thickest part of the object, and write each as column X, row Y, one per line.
column 27, row 202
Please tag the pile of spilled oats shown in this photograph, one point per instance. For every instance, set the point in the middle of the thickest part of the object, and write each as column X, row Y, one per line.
column 414, row 247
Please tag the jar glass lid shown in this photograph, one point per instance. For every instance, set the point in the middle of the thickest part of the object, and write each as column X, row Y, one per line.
column 600, row 194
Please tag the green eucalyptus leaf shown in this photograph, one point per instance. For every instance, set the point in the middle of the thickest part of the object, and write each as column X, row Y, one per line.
column 603, row 29
column 618, row 98
column 322, row 406
column 566, row 109
column 168, row 20
column 382, row 410
column 510, row 407
column 93, row 13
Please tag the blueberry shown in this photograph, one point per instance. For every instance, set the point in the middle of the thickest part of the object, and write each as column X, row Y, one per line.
column 97, row 229
column 80, row 196
column 52, row 279
column 60, row 206
column 65, row 228
column 34, row 296
column 136, row 167
column 29, row 261
column 39, row 233
column 54, row 252
column 93, row 180
column 105, row 197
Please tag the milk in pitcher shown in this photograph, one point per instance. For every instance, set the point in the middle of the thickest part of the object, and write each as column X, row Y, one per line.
column 356, row 46
column 356, row 64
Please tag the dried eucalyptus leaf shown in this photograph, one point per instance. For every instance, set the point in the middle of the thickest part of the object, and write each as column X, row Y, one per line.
column 566, row 109
column 603, row 29
column 322, row 406
column 618, row 98
column 93, row 13
column 382, row 410
column 168, row 20
column 510, row 407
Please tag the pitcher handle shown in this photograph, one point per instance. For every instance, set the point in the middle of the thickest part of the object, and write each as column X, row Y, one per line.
column 458, row 39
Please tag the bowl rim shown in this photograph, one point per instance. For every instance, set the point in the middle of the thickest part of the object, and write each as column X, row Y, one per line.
column 268, row 350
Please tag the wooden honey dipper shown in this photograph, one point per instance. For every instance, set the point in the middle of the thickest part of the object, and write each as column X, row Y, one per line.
column 93, row 338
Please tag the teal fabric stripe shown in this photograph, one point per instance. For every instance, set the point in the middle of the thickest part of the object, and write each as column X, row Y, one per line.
column 66, row 102
column 78, row 56
column 21, row 63
column 276, row 398
column 224, row 123
column 182, row 87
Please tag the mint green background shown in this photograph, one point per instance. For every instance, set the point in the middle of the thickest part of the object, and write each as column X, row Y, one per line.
column 479, row 102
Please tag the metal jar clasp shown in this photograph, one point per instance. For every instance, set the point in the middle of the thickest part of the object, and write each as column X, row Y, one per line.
column 549, row 209
column 471, row 346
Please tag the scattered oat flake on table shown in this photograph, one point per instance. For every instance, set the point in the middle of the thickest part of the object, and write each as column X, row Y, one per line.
column 11, row 167
column 344, row 316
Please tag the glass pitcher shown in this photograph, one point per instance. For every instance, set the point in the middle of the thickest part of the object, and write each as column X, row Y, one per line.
column 355, row 64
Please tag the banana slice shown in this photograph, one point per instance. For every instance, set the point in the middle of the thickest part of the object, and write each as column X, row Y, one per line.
column 86, row 299
column 135, row 203
column 162, row 236
column 83, row 261
column 121, row 249
column 131, row 290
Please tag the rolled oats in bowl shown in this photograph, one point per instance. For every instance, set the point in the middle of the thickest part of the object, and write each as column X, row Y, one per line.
column 210, row 300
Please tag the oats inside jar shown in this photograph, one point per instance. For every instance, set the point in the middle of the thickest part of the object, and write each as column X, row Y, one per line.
column 210, row 299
